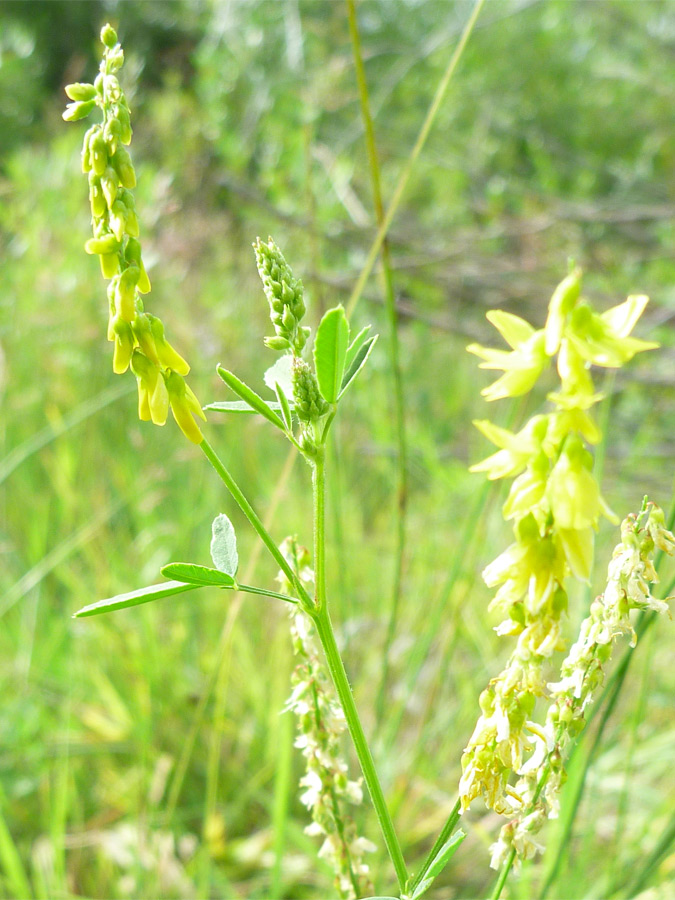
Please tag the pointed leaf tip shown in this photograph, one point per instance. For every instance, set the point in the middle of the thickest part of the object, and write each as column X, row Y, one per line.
column 134, row 598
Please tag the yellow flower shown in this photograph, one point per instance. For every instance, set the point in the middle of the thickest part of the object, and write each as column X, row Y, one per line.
column 563, row 300
column 517, row 449
column 604, row 339
column 153, row 397
column 522, row 366
column 184, row 406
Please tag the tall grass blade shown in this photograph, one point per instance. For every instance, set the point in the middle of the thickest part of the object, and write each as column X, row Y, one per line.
column 10, row 858
column 404, row 177
column 394, row 360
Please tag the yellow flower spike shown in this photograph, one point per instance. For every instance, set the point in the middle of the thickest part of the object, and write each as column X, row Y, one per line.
column 183, row 405
column 562, row 302
column 124, row 345
column 168, row 357
column 153, row 397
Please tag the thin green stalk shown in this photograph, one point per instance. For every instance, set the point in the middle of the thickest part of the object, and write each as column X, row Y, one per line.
column 255, row 521
column 336, row 668
column 394, row 359
column 444, row 836
column 503, row 875
column 626, row 792
column 659, row 852
column 282, row 793
column 412, row 159
column 319, row 494
column 338, row 674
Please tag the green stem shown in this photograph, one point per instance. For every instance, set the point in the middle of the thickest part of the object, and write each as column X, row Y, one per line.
column 324, row 629
column 394, row 358
column 319, row 493
column 336, row 668
column 503, row 875
column 263, row 592
column 255, row 521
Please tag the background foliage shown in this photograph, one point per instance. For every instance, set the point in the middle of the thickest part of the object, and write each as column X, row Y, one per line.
column 144, row 754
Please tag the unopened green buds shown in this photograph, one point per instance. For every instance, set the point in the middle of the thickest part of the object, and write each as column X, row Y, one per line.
column 285, row 296
column 79, row 92
column 309, row 404
column 108, row 36
column 75, row 111
column 138, row 337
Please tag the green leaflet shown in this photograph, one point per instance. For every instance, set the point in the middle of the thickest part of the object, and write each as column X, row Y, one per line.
column 249, row 396
column 191, row 573
column 224, row 546
column 135, row 598
column 330, row 352
column 358, row 362
column 240, row 406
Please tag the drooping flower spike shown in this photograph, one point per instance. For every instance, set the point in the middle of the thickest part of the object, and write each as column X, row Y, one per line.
column 554, row 505
column 138, row 337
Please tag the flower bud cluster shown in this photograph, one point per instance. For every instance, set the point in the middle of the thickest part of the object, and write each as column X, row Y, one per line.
column 327, row 789
column 137, row 336
column 285, row 296
column 309, row 404
column 631, row 572
column 554, row 504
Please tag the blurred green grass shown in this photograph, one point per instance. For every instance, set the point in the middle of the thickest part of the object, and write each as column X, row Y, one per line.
column 554, row 141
